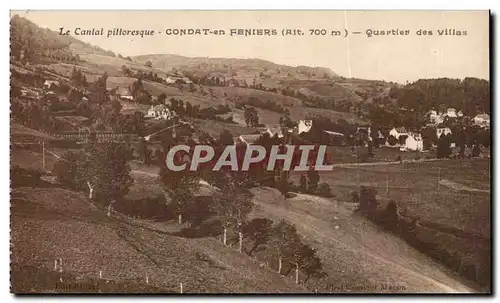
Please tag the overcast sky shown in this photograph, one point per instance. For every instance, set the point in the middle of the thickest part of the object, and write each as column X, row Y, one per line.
column 393, row 58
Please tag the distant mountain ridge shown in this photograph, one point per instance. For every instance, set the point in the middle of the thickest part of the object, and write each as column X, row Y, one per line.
column 226, row 65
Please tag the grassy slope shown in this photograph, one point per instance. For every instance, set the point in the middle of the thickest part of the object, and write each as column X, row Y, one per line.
column 411, row 184
column 50, row 223
column 358, row 253
column 457, row 223
column 95, row 65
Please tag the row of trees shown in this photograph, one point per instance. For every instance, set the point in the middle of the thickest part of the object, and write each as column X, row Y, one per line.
column 78, row 78
column 269, row 105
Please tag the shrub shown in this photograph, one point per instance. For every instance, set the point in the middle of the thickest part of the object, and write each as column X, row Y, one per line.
column 69, row 169
column 324, row 190
column 368, row 201
column 354, row 196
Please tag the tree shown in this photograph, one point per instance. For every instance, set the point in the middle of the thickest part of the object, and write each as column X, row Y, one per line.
column 305, row 258
column 137, row 87
column 233, row 204
column 284, row 185
column 107, row 171
column 402, row 139
column 285, row 240
column 179, row 187
column 143, row 97
column 287, row 122
column 303, row 184
column 111, row 114
column 313, row 177
column 189, row 109
column 161, row 98
column 429, row 137
column 251, row 116
column 226, row 138
column 101, row 89
column 476, row 151
column 368, row 201
column 144, row 152
column 444, row 147
column 69, row 169
column 258, row 230
column 392, row 140
column 325, row 190
column 149, row 64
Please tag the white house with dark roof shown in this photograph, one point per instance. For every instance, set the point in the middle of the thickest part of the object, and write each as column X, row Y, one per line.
column 304, row 126
column 274, row 129
column 451, row 112
column 50, row 84
column 482, row 120
column 160, row 112
column 442, row 130
column 397, row 132
column 414, row 142
column 125, row 93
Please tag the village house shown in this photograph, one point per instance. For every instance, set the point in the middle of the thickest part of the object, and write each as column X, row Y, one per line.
column 232, row 82
column 451, row 113
column 442, row 130
column 50, row 84
column 414, row 142
column 274, row 130
column 247, row 139
column 170, row 80
column 304, row 126
column 366, row 129
column 160, row 112
column 397, row 132
column 30, row 93
column 482, row 120
column 125, row 93
column 435, row 117
column 335, row 138
column 176, row 80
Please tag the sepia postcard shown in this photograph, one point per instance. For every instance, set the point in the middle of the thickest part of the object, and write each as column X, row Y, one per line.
column 250, row 152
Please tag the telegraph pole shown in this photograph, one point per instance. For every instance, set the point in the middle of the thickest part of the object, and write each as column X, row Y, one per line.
column 43, row 155
column 439, row 176
column 387, row 185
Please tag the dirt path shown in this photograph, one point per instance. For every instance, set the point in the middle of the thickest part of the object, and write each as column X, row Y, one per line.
column 460, row 187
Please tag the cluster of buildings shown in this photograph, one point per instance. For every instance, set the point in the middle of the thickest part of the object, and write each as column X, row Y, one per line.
column 436, row 118
column 177, row 80
column 160, row 111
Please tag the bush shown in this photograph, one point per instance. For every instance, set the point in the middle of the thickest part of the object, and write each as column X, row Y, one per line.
column 354, row 196
column 148, row 208
column 68, row 169
column 368, row 201
column 324, row 190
